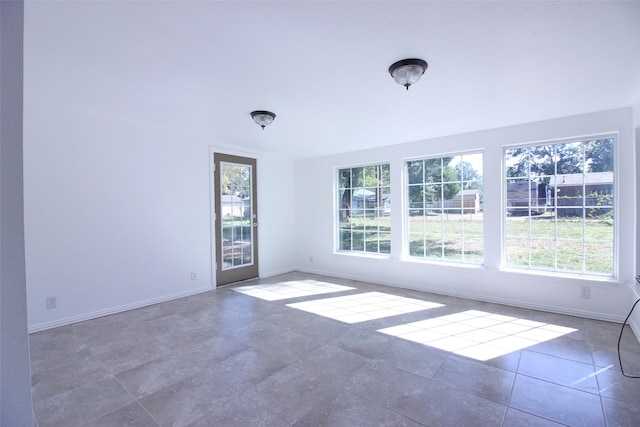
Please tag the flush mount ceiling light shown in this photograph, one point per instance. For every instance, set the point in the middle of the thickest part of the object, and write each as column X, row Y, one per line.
column 407, row 71
column 263, row 118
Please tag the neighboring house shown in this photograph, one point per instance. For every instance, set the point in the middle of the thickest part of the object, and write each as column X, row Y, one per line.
column 468, row 200
column 363, row 199
column 571, row 185
column 232, row 206
column 528, row 196
column 573, row 191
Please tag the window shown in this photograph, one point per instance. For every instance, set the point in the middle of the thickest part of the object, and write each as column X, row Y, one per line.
column 444, row 218
column 364, row 209
column 559, row 213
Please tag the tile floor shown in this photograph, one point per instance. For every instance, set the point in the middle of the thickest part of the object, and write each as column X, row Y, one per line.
column 307, row 350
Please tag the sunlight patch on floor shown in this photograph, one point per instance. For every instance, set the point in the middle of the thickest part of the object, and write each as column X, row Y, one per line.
column 478, row 334
column 291, row 289
column 363, row 307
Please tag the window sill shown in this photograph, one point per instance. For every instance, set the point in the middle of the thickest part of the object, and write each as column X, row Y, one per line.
column 367, row 255
column 447, row 264
column 600, row 281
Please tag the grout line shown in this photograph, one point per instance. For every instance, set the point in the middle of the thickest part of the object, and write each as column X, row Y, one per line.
column 513, row 385
column 365, row 327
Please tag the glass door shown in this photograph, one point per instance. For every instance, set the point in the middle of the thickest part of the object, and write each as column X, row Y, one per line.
column 236, row 218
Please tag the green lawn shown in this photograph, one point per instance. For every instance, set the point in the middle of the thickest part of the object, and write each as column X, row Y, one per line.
column 564, row 244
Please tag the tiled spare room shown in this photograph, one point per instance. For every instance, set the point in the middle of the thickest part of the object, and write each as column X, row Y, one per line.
column 307, row 350
column 323, row 213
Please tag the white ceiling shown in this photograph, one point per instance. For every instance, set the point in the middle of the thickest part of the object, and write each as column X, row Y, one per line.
column 197, row 69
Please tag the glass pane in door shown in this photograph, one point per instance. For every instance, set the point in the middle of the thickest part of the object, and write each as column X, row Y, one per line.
column 237, row 215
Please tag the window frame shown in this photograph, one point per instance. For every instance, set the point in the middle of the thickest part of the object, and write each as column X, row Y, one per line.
column 338, row 211
column 555, row 272
column 406, row 208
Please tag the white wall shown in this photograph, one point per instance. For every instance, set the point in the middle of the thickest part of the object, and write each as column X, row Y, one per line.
column 15, row 374
column 277, row 240
column 635, row 317
column 117, row 214
column 636, row 126
column 315, row 215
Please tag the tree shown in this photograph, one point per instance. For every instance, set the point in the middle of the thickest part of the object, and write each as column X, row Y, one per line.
column 470, row 177
column 365, row 176
column 437, row 178
column 450, row 178
column 235, row 179
column 568, row 158
column 599, row 155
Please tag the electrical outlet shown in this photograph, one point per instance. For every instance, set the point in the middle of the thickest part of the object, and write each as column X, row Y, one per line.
column 585, row 292
column 310, row 259
column 50, row 302
column 194, row 275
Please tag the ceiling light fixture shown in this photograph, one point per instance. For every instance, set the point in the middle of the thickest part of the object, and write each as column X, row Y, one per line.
column 407, row 71
column 263, row 118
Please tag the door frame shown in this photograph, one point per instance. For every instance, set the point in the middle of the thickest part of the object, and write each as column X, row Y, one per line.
column 212, row 204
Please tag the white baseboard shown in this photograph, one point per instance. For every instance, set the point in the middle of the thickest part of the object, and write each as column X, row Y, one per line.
column 113, row 310
column 264, row 275
column 634, row 320
column 476, row 297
